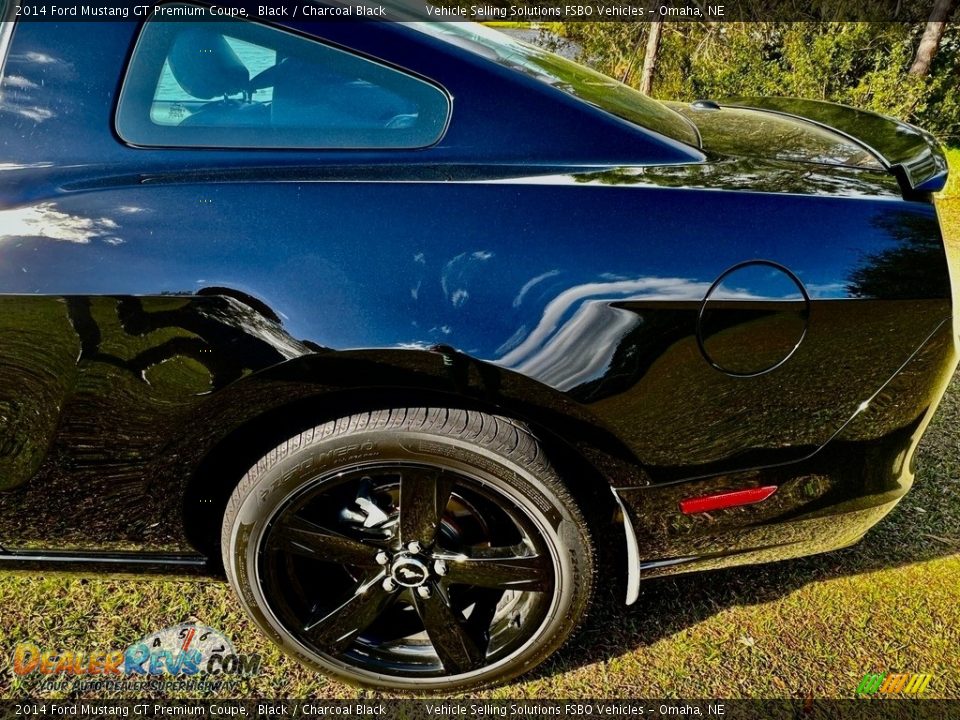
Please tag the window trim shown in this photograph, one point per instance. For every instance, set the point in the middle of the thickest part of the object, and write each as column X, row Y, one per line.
column 140, row 59
column 7, row 22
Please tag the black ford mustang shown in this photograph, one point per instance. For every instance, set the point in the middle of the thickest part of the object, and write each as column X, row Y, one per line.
column 405, row 323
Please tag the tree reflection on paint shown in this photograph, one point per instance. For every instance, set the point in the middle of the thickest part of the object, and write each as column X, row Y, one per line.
column 912, row 269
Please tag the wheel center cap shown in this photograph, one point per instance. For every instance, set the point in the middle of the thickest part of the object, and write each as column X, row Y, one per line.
column 409, row 571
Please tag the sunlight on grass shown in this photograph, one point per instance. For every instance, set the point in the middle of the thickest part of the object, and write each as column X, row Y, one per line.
column 952, row 190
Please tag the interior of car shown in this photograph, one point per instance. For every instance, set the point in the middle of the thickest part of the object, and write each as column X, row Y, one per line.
column 217, row 88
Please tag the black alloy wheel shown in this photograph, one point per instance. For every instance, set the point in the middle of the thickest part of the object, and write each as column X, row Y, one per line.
column 411, row 549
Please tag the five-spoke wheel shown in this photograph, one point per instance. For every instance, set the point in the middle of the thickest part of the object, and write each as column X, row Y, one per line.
column 406, row 563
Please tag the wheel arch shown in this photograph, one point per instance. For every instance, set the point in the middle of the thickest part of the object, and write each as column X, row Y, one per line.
column 246, row 420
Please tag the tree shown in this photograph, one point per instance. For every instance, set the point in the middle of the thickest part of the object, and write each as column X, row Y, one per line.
column 650, row 56
column 863, row 64
column 930, row 42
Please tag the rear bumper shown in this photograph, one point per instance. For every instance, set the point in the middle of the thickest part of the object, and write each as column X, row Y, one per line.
column 826, row 501
column 822, row 504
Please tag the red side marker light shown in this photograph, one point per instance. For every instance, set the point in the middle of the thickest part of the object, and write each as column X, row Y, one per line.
column 719, row 501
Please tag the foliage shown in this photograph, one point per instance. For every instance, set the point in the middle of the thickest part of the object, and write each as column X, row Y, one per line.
column 952, row 190
column 859, row 64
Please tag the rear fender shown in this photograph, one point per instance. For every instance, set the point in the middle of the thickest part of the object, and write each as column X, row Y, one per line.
column 244, row 420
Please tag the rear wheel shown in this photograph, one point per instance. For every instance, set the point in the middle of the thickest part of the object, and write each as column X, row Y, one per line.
column 412, row 549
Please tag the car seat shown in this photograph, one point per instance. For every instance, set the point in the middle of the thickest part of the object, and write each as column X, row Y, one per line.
column 206, row 67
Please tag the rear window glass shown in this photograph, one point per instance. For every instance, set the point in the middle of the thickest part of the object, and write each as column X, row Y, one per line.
column 235, row 83
column 588, row 85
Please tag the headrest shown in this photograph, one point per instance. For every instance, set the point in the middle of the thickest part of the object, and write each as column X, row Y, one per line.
column 205, row 65
column 303, row 92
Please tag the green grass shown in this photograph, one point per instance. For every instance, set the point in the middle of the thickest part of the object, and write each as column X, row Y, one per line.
column 953, row 184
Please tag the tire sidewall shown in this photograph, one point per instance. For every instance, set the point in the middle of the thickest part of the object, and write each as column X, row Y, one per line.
column 318, row 460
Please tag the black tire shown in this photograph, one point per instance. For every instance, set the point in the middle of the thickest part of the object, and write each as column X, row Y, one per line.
column 483, row 573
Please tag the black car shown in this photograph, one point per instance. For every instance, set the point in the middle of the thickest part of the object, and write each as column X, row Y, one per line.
column 402, row 326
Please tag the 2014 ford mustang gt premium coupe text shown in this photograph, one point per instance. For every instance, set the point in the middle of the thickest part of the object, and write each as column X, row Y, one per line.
column 402, row 325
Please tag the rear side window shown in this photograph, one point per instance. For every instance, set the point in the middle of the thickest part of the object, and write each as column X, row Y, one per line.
column 239, row 84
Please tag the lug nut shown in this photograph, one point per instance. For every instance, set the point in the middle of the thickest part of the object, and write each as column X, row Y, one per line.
column 382, row 558
column 414, row 547
column 424, row 592
column 389, row 585
column 440, row 567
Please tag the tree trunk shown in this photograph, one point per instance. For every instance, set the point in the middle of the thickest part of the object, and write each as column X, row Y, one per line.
column 632, row 60
column 650, row 57
column 930, row 42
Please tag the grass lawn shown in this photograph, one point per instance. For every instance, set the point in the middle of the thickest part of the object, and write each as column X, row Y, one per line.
column 953, row 185
column 794, row 629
